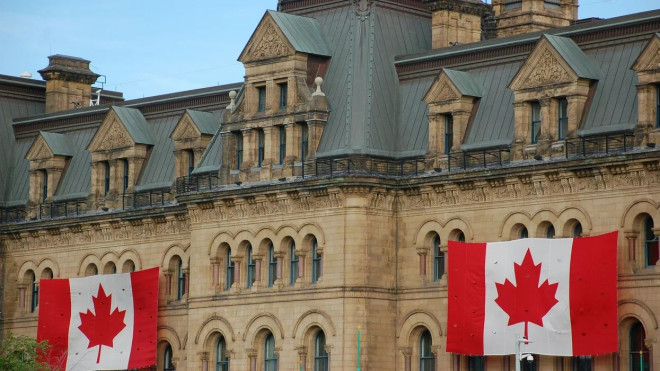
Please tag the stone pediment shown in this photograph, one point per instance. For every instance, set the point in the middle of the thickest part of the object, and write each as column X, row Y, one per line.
column 112, row 134
column 544, row 67
column 442, row 89
column 267, row 42
column 185, row 129
column 649, row 58
column 39, row 150
column 49, row 145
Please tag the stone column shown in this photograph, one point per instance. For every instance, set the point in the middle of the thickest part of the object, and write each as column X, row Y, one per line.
column 292, row 147
column 279, row 255
column 436, row 121
column 216, row 263
column 186, row 281
column 328, row 349
column 257, row 269
column 271, row 151
column 252, row 356
column 204, row 357
column 237, row 273
column 649, row 344
column 423, row 253
column 407, row 358
column 576, row 104
column 631, row 237
column 301, row 263
column 444, row 249
column 249, row 149
column 168, row 283
column 302, row 353
column 22, row 297
column 435, row 350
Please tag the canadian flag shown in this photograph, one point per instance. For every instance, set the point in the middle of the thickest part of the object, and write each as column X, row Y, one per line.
column 103, row 322
column 558, row 293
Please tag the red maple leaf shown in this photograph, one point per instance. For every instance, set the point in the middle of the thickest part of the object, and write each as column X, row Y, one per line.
column 102, row 328
column 527, row 302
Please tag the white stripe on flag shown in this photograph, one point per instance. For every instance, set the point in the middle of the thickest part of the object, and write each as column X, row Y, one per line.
column 555, row 335
column 82, row 289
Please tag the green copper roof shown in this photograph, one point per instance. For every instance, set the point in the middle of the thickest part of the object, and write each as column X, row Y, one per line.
column 575, row 57
column 207, row 123
column 135, row 123
column 465, row 83
column 58, row 143
column 303, row 33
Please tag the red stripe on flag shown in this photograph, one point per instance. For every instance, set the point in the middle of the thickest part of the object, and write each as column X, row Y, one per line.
column 466, row 297
column 145, row 303
column 54, row 318
column 593, row 282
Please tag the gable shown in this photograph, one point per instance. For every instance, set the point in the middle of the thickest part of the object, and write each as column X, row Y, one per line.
column 649, row 59
column 185, row 129
column 112, row 134
column 267, row 42
column 39, row 150
column 441, row 90
column 543, row 67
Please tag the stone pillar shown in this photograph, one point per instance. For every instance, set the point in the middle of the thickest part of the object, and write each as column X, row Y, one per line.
column 279, row 255
column 461, row 120
column 302, row 361
column 576, row 104
column 328, row 349
column 271, row 151
column 436, row 122
column 444, row 249
column 204, row 357
column 292, row 147
column 257, row 269
column 252, row 356
column 22, row 297
column 186, row 281
column 301, row 264
column 237, row 274
column 456, row 362
column 631, row 237
column 168, row 283
column 423, row 253
column 649, row 344
column 249, row 149
column 435, row 350
column 522, row 131
column 407, row 358
column 216, row 263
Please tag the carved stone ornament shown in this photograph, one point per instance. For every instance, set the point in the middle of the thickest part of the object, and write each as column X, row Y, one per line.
column 39, row 151
column 271, row 45
column 546, row 71
column 186, row 129
column 649, row 59
column 441, row 91
column 115, row 137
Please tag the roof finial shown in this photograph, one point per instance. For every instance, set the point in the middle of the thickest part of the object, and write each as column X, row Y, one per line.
column 232, row 102
column 318, row 81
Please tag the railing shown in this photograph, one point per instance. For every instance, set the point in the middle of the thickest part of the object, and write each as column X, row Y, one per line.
column 144, row 199
column 482, row 158
column 13, row 214
column 64, row 208
column 201, row 182
column 364, row 165
column 599, row 144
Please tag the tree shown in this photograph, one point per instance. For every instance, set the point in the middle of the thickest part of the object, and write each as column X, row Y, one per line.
column 18, row 353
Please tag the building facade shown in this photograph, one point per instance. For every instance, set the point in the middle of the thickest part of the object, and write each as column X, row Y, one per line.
column 314, row 200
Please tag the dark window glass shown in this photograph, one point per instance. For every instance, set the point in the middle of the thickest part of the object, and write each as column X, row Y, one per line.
column 239, row 149
column 251, row 268
column 282, row 144
column 524, row 233
column 577, row 230
column 438, row 260
column 582, row 363
column 657, row 106
column 229, row 265
column 221, row 360
column 270, row 359
column 476, row 363
column 562, row 123
column 180, row 280
column 650, row 242
column 44, row 187
column 191, row 162
column 426, row 358
column 639, row 353
column 293, row 272
column 550, row 232
column 304, row 138
column 461, row 237
column 261, row 92
column 283, row 95
column 168, row 365
column 449, row 133
column 125, row 177
column 536, row 122
column 260, row 147
column 320, row 355
column 316, row 262
column 272, row 265
column 35, row 293
column 106, row 178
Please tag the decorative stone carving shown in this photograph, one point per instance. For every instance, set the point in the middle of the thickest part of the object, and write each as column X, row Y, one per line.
column 115, row 137
column 271, row 45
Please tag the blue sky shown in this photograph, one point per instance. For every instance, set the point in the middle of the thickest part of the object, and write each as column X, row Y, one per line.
column 151, row 47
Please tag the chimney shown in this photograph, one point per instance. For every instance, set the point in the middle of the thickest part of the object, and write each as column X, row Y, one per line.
column 68, row 83
column 516, row 17
column 456, row 22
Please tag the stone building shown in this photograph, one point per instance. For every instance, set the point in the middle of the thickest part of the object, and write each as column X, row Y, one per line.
column 315, row 198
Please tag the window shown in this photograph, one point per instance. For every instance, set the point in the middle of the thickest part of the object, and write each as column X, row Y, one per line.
column 110, row 268
column 270, row 358
column 221, row 360
column 91, row 270
column 320, row 355
column 128, row 266
column 294, row 260
column 316, row 262
column 229, row 265
column 577, row 230
column 283, row 94
column 536, row 122
column 639, row 353
column 524, row 233
column 657, row 106
column 251, row 268
column 426, row 358
column 562, row 122
column 449, row 133
column 261, row 97
column 282, row 144
column 304, row 138
column 44, row 185
column 191, row 162
column 34, row 288
column 460, row 237
column 272, row 266
column 650, row 243
column 476, row 363
column 168, row 365
column 260, row 147
column 550, row 232
column 582, row 363
column 239, row 149
column 438, row 260
column 125, row 177
column 180, row 280
column 106, row 178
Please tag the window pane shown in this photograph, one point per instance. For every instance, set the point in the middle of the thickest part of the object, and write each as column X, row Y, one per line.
column 283, row 95
column 536, row 122
column 293, row 272
column 438, row 260
column 229, row 279
column 639, row 353
column 261, row 92
column 650, row 243
column 282, row 144
column 563, row 118
column 251, row 268
column 449, row 133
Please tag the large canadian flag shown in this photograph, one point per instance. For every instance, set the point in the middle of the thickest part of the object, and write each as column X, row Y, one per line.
column 558, row 293
column 103, row 322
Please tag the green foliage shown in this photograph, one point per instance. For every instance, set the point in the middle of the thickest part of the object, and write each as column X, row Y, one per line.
column 20, row 353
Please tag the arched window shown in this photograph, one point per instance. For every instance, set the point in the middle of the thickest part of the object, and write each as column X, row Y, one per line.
column 460, row 237
column 577, row 230
column 293, row 260
column 168, row 364
column 438, row 260
column 426, row 358
column 476, row 363
column 650, row 243
column 316, row 262
column 221, row 360
column 251, row 267
column 320, row 355
column 272, row 265
column 582, row 363
column 91, row 270
column 34, row 288
column 180, row 280
column 639, row 353
column 229, row 265
column 110, row 268
column 550, row 232
column 524, row 233
column 270, row 358
column 128, row 267
column 125, row 176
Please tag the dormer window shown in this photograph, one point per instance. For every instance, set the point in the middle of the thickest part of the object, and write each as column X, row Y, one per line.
column 282, row 144
column 260, row 147
column 261, row 99
column 536, row 122
column 449, row 133
column 106, row 179
column 657, row 106
column 239, row 149
column 283, row 93
column 44, row 182
column 304, row 139
column 562, row 118
column 125, row 176
column 191, row 161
